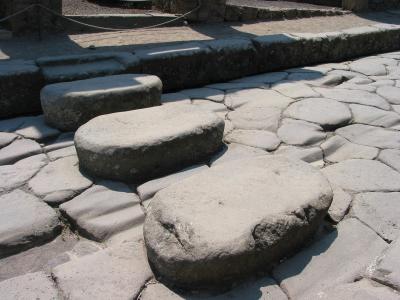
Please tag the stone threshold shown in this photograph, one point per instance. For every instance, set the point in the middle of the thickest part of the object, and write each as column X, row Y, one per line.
column 192, row 64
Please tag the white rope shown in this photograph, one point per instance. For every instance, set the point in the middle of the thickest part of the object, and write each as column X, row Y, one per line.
column 18, row 13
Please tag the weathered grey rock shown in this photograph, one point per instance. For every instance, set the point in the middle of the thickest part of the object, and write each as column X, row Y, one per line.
column 371, row 136
column 390, row 157
column 340, row 204
column 295, row 90
column 374, row 116
column 25, row 222
column 13, row 176
column 327, row 113
column 379, row 211
column 261, row 118
column 354, row 96
column 302, row 133
column 118, row 272
column 266, row 78
column 174, row 98
column 6, row 138
column 35, row 128
column 200, row 232
column 62, row 141
column 390, row 93
column 59, row 181
column 385, row 268
column 361, row 175
column 311, row 155
column 20, row 148
column 150, row 188
column 68, row 105
column 104, row 210
column 219, row 108
column 340, row 257
column 30, row 286
column 337, row 149
column 205, row 93
column 63, row 152
column 143, row 144
column 235, row 151
column 347, row 74
column 254, row 138
column 352, row 86
column 368, row 67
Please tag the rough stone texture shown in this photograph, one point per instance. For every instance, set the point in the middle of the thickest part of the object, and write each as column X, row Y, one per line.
column 118, row 272
column 311, row 155
column 63, row 152
column 69, row 105
column 17, row 150
column 25, row 222
column 267, row 78
column 374, row 116
column 340, row 204
column 183, row 231
column 327, row 113
column 390, row 93
column 262, row 118
column 59, row 181
column 219, row 108
column 143, row 144
column 380, row 212
column 235, row 151
column 337, row 149
column 302, row 133
column 205, row 93
column 391, row 158
column 340, row 257
column 295, row 90
column 368, row 67
column 174, row 98
column 361, row 175
column 30, row 286
column 254, row 138
column 35, row 128
column 104, row 210
column 6, row 138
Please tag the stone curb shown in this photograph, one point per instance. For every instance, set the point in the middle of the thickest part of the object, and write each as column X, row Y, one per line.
column 193, row 64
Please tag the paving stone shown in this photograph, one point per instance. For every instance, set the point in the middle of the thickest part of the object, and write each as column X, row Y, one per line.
column 301, row 133
column 226, row 86
column 360, row 80
column 320, row 69
column 261, row 118
column 295, row 90
column 346, row 74
column 371, row 136
column 254, row 138
column 235, row 151
column 374, row 116
column 265, row 288
column 270, row 98
column 35, row 128
column 380, row 212
column 328, row 80
column 13, row 176
column 385, row 269
column 327, row 113
column 150, row 188
column 200, row 232
column 218, row 108
column 362, row 175
column 382, row 83
column 390, row 157
column 337, row 149
column 118, row 272
column 305, row 77
column 390, row 93
column 338, row 258
column 354, row 96
column 362, row 87
column 174, row 98
column 311, row 155
column 368, row 67
column 59, row 181
column 25, row 222
column 6, row 138
column 104, row 210
column 148, row 143
column 60, row 153
column 30, row 286
column 340, row 204
column 62, row 141
column 263, row 78
column 20, row 148
column 205, row 93
column 228, row 127
column 68, row 105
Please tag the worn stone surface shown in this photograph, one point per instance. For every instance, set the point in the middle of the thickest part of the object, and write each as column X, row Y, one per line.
column 219, row 108
column 374, row 116
column 254, row 138
column 6, row 138
column 361, row 175
column 174, row 98
column 311, row 155
column 63, row 152
column 390, row 93
column 301, row 133
column 35, row 128
column 295, row 90
column 340, row 204
column 69, row 105
column 235, row 151
column 261, row 118
column 340, row 257
column 59, row 181
column 205, row 93
column 62, row 141
column 390, row 157
column 20, row 148
column 25, row 222
column 143, row 144
column 263, row 78
column 368, row 67
column 185, row 240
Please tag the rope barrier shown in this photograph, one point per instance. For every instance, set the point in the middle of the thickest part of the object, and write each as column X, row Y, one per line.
column 18, row 13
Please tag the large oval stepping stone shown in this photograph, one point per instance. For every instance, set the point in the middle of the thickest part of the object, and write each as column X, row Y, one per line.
column 148, row 143
column 68, row 105
column 234, row 219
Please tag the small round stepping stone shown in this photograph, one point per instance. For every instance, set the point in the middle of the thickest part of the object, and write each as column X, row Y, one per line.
column 234, row 219
column 148, row 143
column 68, row 105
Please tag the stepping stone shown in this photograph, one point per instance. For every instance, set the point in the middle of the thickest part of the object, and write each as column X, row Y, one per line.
column 295, row 90
column 235, row 151
column 254, row 138
column 311, row 155
column 301, row 133
column 371, row 136
column 390, row 93
column 68, row 105
column 200, row 233
column 325, row 112
column 6, row 138
column 361, row 175
column 338, row 258
column 30, row 286
column 148, row 143
column 20, row 148
column 25, row 222
column 269, row 98
column 205, row 93
column 374, row 116
column 390, row 157
column 59, row 181
column 368, row 67
column 262, row 118
column 380, row 212
column 338, row 149
column 117, row 272
column 340, row 204
column 104, row 210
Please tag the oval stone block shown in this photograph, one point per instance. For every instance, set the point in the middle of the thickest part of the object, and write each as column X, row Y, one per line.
column 68, row 105
column 147, row 143
column 234, row 219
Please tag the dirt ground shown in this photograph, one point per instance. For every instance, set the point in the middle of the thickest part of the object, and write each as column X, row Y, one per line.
column 92, row 7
